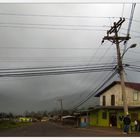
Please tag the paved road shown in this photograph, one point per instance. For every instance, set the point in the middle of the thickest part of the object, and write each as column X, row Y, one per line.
column 40, row 129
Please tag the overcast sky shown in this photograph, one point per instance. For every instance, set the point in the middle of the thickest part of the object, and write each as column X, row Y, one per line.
column 42, row 35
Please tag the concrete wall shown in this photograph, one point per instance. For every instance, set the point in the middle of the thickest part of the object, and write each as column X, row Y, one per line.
column 93, row 118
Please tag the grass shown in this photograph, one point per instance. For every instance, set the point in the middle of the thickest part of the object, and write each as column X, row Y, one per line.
column 12, row 124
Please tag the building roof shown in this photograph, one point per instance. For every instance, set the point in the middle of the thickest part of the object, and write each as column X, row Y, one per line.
column 132, row 85
column 114, row 107
column 109, row 108
column 68, row 116
column 81, row 112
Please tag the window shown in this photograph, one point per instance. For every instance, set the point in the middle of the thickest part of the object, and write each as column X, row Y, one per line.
column 135, row 96
column 104, row 100
column 104, row 115
column 112, row 99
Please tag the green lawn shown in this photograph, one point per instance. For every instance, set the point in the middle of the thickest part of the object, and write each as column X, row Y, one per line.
column 12, row 124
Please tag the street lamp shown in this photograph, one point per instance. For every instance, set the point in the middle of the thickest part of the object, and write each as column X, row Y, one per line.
column 132, row 46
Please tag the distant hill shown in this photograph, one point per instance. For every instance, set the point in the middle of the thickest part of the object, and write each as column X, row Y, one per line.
column 9, row 103
column 68, row 102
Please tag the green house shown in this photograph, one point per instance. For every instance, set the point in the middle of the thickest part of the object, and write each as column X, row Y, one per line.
column 24, row 119
column 110, row 111
column 111, row 116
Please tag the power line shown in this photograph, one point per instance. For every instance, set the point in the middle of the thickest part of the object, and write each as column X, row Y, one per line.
column 132, row 69
column 66, row 66
column 26, row 74
column 51, row 48
column 57, row 26
column 57, row 69
column 43, row 24
column 133, row 31
column 48, row 59
column 54, row 57
column 70, row 25
column 44, row 15
column 64, row 16
column 51, row 70
column 129, row 78
column 58, row 16
column 52, row 28
column 43, row 61
column 67, row 3
column 96, row 79
column 94, row 91
column 86, row 76
column 95, row 53
column 90, row 94
column 128, row 58
column 134, row 65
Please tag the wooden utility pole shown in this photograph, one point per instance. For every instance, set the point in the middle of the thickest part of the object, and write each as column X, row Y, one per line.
column 61, row 104
column 116, row 40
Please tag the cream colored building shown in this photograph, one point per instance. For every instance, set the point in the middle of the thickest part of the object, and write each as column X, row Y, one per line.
column 111, row 110
column 112, row 94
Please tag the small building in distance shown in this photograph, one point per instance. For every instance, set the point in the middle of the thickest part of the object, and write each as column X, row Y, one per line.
column 25, row 119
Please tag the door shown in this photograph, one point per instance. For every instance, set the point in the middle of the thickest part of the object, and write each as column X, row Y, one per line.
column 113, row 119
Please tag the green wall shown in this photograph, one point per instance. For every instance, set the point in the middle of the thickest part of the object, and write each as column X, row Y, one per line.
column 119, row 122
column 97, row 120
column 95, row 117
column 101, row 121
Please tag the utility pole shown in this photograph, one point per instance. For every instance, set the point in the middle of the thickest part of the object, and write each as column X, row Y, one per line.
column 116, row 39
column 61, row 104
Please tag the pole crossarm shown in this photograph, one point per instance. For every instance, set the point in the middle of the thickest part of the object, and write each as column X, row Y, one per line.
column 114, row 38
column 118, row 24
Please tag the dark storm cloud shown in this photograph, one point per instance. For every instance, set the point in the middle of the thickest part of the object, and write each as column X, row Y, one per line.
column 39, row 46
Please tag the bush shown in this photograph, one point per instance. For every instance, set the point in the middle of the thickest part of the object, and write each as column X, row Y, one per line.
column 11, row 124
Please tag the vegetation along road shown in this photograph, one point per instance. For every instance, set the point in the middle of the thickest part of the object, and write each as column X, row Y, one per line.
column 43, row 129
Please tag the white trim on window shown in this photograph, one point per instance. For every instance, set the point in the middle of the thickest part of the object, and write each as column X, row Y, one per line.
column 135, row 96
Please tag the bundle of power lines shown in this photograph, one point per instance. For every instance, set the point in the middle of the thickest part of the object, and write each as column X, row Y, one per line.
column 41, row 71
column 96, row 90
column 104, row 82
column 133, row 68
